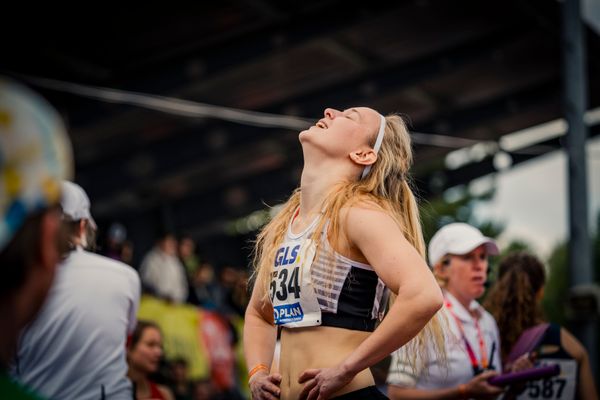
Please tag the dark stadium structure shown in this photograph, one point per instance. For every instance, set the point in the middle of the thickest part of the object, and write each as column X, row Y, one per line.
column 470, row 70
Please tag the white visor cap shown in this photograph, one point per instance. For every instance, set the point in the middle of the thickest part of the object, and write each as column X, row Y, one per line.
column 458, row 238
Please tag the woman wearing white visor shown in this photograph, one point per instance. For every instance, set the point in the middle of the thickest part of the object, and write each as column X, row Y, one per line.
column 324, row 262
column 458, row 254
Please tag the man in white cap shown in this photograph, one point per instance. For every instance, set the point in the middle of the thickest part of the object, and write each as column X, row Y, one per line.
column 35, row 155
column 458, row 254
column 75, row 348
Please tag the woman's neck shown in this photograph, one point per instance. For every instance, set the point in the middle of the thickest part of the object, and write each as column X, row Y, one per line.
column 138, row 377
column 142, row 386
column 315, row 184
column 464, row 301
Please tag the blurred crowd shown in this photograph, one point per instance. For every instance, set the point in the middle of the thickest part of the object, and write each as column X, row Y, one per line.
column 172, row 271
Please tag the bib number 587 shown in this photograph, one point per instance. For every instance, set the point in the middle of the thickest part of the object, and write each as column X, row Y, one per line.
column 546, row 389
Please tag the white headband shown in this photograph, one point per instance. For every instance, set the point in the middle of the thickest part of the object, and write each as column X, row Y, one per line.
column 377, row 143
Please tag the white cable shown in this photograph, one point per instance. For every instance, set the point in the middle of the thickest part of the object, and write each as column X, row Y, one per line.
column 174, row 106
column 189, row 108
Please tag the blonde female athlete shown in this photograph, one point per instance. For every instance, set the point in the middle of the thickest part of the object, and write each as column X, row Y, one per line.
column 325, row 263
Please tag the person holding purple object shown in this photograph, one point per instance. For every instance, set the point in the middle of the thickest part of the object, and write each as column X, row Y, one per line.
column 458, row 254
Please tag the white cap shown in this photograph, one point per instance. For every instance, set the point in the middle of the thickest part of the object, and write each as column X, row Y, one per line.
column 75, row 203
column 458, row 238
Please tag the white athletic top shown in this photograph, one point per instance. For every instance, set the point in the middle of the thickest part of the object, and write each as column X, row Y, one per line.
column 434, row 375
column 75, row 348
column 311, row 287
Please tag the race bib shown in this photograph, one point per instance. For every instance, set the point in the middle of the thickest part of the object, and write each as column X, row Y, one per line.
column 294, row 301
column 561, row 386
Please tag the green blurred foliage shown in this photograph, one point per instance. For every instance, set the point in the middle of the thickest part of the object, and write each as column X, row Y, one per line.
column 557, row 286
column 439, row 212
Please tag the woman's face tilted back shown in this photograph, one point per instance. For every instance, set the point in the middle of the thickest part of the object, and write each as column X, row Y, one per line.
column 339, row 133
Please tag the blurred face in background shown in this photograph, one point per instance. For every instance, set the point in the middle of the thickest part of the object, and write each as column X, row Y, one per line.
column 465, row 275
column 203, row 390
column 186, row 247
column 146, row 353
column 204, row 275
column 168, row 245
column 180, row 372
column 228, row 276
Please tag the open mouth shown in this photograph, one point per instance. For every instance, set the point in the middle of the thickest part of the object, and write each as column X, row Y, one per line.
column 321, row 125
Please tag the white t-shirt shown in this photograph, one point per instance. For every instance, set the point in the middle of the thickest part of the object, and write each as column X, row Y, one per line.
column 164, row 275
column 75, row 348
column 459, row 370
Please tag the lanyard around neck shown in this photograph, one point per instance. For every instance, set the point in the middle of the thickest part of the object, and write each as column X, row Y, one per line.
column 477, row 368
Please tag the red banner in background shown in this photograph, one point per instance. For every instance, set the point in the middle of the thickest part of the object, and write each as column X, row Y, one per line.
column 218, row 340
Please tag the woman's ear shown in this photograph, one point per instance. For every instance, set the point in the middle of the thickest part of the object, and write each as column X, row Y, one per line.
column 82, row 224
column 440, row 271
column 364, row 156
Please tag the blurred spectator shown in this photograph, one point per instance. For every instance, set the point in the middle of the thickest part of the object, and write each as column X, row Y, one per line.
column 514, row 300
column 144, row 353
column 189, row 259
column 117, row 247
column 204, row 390
column 35, row 155
column 187, row 255
column 182, row 388
column 230, row 298
column 75, row 348
column 162, row 273
column 240, row 295
column 205, row 287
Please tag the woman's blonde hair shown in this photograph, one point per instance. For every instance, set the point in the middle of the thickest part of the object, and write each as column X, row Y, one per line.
column 386, row 187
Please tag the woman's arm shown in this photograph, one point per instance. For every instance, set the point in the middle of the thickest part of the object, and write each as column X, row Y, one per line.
column 478, row 387
column 586, row 386
column 376, row 235
column 402, row 381
column 260, row 335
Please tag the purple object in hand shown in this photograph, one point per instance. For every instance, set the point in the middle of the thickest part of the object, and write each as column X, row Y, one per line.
column 531, row 374
column 527, row 342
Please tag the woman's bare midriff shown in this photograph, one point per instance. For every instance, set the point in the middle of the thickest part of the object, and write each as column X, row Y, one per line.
column 318, row 347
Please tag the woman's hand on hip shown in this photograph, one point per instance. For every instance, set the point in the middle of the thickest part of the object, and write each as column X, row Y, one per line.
column 322, row 383
column 264, row 386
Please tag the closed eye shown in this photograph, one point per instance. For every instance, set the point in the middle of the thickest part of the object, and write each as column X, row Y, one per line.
column 352, row 114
